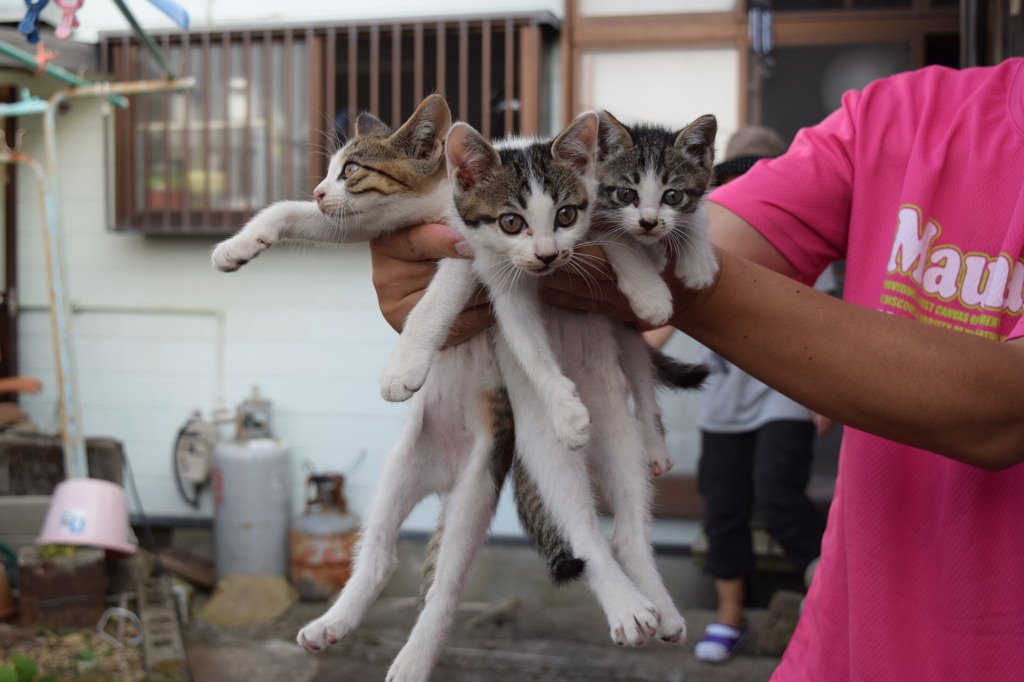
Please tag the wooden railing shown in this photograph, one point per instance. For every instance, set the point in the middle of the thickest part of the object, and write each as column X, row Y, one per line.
column 272, row 103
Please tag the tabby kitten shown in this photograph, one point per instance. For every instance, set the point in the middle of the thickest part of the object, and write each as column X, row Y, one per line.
column 457, row 441
column 651, row 185
column 524, row 215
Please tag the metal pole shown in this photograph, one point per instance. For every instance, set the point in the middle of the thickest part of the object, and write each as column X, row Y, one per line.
column 146, row 39
column 75, row 462
column 55, row 72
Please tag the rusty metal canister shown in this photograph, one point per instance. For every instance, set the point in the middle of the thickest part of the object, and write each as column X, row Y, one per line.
column 323, row 539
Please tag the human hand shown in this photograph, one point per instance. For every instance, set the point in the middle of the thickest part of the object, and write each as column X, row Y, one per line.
column 587, row 284
column 404, row 263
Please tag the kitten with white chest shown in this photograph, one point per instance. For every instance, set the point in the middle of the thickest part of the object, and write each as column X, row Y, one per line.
column 651, row 185
column 457, row 441
column 525, row 207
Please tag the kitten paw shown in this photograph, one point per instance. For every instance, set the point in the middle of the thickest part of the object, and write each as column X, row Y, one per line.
column 401, row 378
column 634, row 626
column 672, row 628
column 411, row 665
column 655, row 310
column 323, row 632
column 699, row 275
column 661, row 465
column 233, row 253
column 572, row 424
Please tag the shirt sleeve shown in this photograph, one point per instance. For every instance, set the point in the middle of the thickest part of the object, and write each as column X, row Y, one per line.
column 1018, row 331
column 800, row 201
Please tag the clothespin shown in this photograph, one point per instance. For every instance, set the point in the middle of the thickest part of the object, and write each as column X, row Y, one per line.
column 29, row 26
column 43, row 56
column 68, row 20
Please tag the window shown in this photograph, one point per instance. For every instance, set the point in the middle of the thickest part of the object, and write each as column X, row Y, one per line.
column 270, row 104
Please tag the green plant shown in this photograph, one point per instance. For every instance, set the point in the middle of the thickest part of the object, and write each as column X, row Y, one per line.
column 24, row 670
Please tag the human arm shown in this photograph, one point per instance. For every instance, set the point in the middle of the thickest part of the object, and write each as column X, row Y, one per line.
column 948, row 392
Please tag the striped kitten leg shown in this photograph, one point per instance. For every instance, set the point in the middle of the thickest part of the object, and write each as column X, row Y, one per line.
column 521, row 323
column 563, row 484
column 403, row 484
column 468, row 510
column 636, row 365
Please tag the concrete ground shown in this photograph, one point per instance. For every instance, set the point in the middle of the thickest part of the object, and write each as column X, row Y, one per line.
column 533, row 642
column 513, row 626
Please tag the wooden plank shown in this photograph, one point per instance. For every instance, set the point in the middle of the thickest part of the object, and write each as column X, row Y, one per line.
column 510, row 69
column 375, row 70
column 317, row 142
column 186, row 147
column 396, row 75
column 353, row 79
column 167, row 146
column 268, row 113
column 485, row 79
column 331, row 82
column 190, row 567
column 570, row 62
column 464, row 70
column 206, row 131
column 529, row 79
column 225, row 48
column 417, row 64
column 288, row 86
column 669, row 30
column 442, row 49
column 61, row 592
column 247, row 135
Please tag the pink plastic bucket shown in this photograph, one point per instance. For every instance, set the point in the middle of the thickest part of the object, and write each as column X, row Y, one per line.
column 88, row 511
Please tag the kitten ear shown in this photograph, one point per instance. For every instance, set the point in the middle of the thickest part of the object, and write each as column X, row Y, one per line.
column 421, row 136
column 577, row 144
column 470, row 158
column 698, row 139
column 612, row 136
column 367, row 123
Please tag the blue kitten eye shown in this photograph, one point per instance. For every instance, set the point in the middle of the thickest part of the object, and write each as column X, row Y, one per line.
column 625, row 195
column 511, row 223
column 566, row 216
column 350, row 168
column 672, row 197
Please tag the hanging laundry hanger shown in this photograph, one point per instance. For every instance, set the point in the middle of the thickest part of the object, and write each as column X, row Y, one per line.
column 68, row 20
column 175, row 11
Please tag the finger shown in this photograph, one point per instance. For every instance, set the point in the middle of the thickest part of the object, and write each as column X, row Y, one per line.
column 432, row 241
column 469, row 322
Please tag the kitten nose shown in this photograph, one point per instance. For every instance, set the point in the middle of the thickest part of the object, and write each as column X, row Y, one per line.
column 318, row 196
column 546, row 260
column 648, row 225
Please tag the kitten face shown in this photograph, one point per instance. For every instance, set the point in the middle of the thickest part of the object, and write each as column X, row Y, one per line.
column 526, row 202
column 651, row 180
column 381, row 171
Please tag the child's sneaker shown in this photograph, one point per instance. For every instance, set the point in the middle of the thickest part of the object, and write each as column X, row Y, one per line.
column 719, row 643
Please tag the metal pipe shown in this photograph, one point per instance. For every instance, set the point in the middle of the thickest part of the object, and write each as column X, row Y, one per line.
column 219, row 315
column 146, row 39
column 54, row 72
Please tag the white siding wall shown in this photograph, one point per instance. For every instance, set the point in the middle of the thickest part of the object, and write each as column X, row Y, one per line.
column 303, row 324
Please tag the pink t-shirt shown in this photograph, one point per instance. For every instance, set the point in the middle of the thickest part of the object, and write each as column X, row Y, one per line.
column 918, row 181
